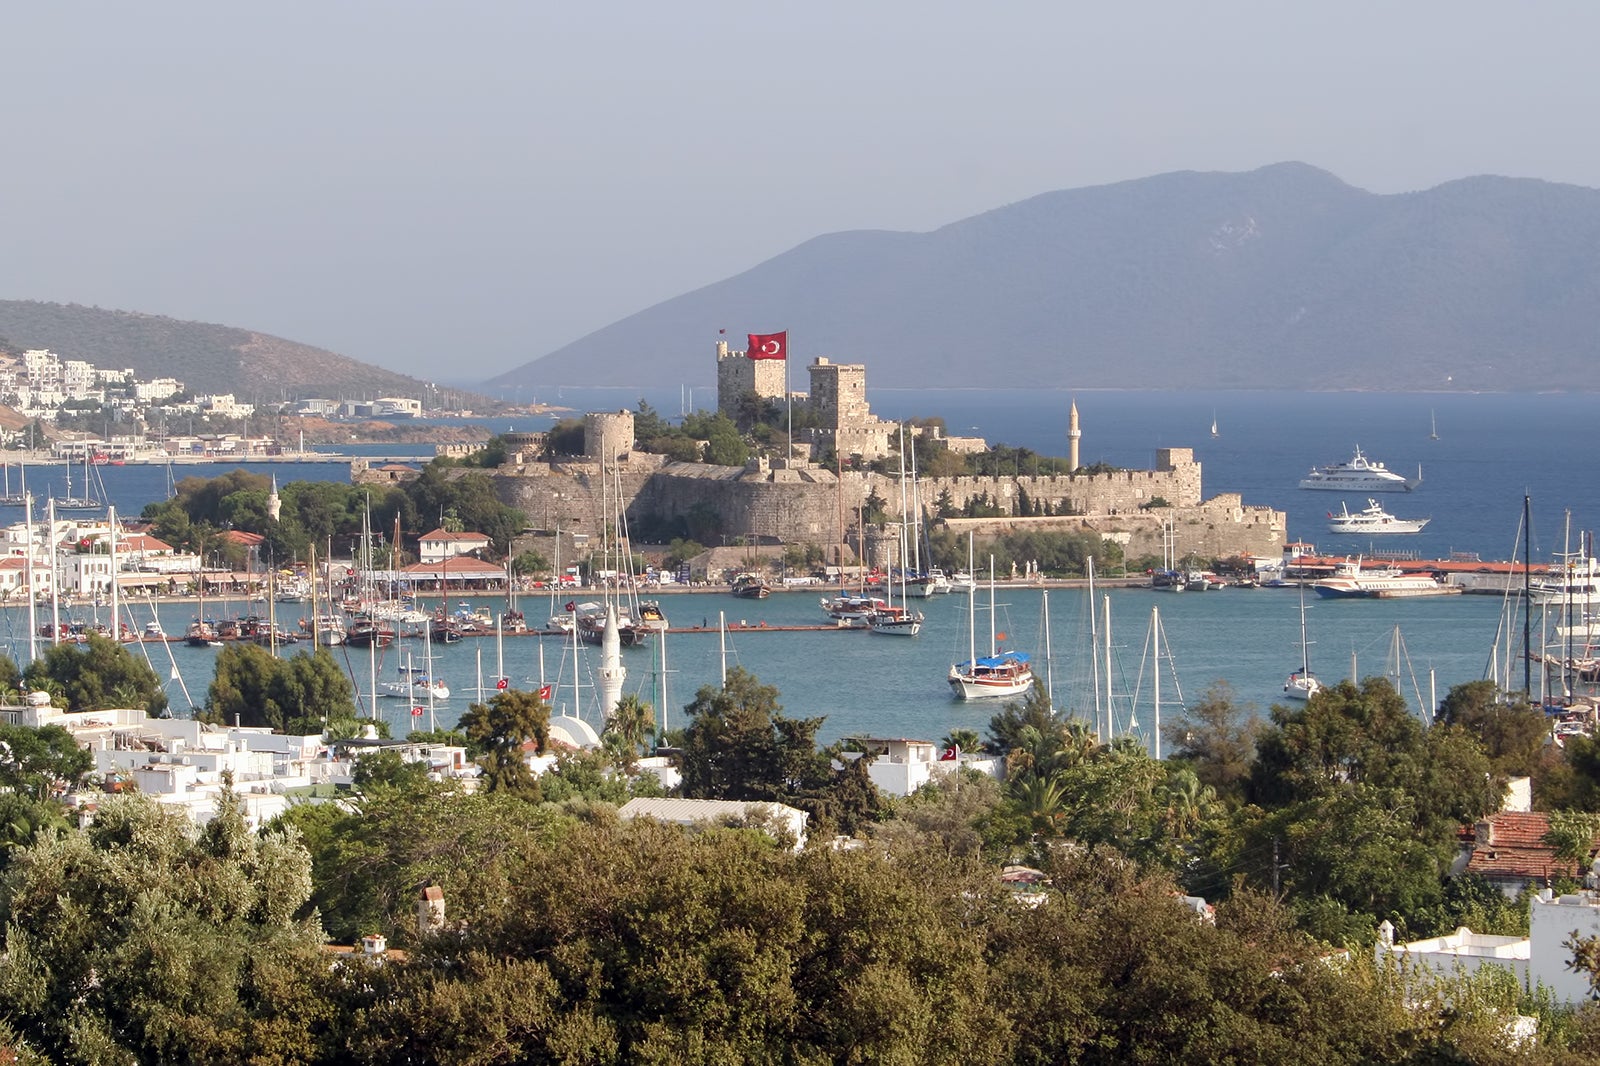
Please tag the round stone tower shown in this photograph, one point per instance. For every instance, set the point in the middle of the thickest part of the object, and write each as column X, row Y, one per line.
column 608, row 437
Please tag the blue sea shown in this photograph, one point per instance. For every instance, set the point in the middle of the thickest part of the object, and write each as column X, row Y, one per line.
column 1490, row 451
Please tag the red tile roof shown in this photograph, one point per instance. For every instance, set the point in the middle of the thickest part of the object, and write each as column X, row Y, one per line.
column 440, row 534
column 1514, row 848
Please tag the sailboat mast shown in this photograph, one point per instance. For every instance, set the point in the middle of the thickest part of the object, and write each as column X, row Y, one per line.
column 55, row 584
column 1155, row 635
column 1527, row 605
column 972, row 613
column 116, row 600
column 993, row 648
column 33, row 592
column 1049, row 664
column 1111, row 722
column 1094, row 652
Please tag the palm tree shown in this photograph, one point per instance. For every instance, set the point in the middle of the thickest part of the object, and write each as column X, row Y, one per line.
column 632, row 722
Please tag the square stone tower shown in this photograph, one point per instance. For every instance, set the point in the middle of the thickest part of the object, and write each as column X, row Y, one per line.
column 738, row 374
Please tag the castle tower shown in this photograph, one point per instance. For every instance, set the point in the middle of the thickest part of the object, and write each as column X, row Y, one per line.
column 1073, row 433
column 738, row 374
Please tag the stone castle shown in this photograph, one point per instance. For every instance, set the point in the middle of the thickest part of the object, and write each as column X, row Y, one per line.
column 795, row 500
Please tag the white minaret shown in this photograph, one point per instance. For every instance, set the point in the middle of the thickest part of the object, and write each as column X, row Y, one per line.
column 612, row 672
column 274, row 504
column 1073, row 433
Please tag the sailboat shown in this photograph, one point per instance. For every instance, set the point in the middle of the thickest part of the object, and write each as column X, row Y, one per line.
column 1000, row 674
column 889, row 619
column 86, row 502
column 1302, row 683
column 1433, row 426
column 1214, row 433
column 15, row 499
column 1156, row 649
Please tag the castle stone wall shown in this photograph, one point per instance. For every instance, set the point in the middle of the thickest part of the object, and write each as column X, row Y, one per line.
column 809, row 505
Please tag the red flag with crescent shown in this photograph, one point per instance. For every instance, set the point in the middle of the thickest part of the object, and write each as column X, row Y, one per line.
column 544, row 692
column 502, row 683
column 768, row 345
column 416, row 712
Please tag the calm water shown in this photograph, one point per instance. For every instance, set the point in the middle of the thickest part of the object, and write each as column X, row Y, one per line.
column 1491, row 450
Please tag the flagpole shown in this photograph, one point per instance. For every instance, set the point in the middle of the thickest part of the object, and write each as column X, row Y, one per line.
column 788, row 399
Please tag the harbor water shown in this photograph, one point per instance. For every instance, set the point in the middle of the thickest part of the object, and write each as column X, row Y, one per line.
column 869, row 684
column 1489, row 451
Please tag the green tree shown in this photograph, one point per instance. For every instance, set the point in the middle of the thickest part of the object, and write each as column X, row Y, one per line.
column 631, row 722
column 95, row 675
column 41, row 762
column 1511, row 730
column 1217, row 738
column 194, row 952
column 499, row 730
column 300, row 694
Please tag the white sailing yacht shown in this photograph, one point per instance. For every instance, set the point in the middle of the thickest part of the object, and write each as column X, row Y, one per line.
column 1302, row 683
column 889, row 619
column 1000, row 674
column 86, row 502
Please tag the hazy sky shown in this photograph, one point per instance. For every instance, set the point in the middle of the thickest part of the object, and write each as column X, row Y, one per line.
column 452, row 189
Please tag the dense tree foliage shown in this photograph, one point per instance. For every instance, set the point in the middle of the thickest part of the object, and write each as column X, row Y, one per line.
column 327, row 515
column 97, row 674
column 138, row 941
column 300, row 693
column 498, row 730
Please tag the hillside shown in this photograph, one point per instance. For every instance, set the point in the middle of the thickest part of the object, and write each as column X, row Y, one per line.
column 206, row 358
column 1281, row 277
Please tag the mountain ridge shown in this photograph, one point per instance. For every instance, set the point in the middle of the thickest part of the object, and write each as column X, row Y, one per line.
column 206, row 357
column 1283, row 276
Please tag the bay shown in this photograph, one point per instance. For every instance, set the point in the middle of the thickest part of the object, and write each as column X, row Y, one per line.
column 1491, row 450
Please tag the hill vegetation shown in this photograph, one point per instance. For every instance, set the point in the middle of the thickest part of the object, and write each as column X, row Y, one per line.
column 207, row 358
column 1284, row 277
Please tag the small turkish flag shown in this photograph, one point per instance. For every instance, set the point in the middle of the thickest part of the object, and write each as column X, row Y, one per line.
column 416, row 712
column 502, row 683
column 544, row 692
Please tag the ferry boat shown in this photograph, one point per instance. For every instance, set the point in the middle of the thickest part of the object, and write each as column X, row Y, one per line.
column 1372, row 519
column 1385, row 582
column 1360, row 474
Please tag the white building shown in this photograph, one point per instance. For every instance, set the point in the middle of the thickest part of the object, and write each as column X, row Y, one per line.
column 902, row 766
column 157, row 389
column 223, row 405
column 1540, row 958
column 437, row 546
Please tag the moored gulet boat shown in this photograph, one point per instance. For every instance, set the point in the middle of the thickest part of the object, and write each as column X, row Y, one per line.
column 591, row 622
column 750, row 586
column 999, row 674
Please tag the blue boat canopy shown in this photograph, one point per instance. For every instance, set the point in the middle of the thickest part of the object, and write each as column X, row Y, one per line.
column 992, row 661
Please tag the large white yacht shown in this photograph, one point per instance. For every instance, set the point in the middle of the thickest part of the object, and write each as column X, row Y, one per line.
column 1360, row 474
column 1373, row 519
